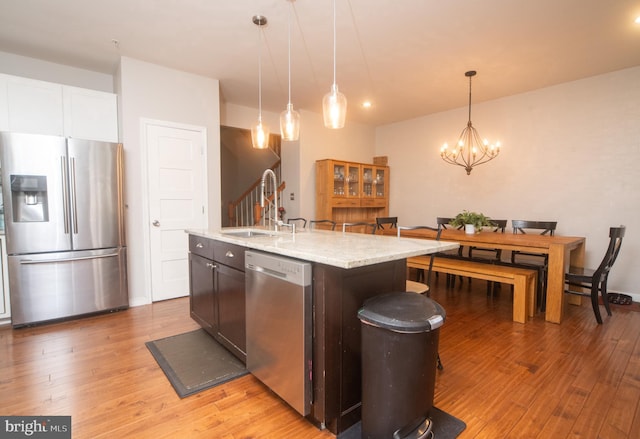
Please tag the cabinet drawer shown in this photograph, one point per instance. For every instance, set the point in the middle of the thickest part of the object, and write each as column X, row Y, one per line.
column 229, row 254
column 201, row 246
column 346, row 202
column 373, row 202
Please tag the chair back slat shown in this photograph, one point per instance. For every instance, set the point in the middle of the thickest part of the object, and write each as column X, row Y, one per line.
column 324, row 223
column 298, row 222
column 391, row 221
column 364, row 226
column 499, row 225
column 544, row 227
column 443, row 222
column 615, row 242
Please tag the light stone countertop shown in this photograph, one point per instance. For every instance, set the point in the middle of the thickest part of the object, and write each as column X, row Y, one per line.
column 343, row 250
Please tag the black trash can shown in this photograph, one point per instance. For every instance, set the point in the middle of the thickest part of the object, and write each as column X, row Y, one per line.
column 399, row 356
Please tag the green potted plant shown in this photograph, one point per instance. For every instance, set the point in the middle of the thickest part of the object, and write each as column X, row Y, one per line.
column 472, row 221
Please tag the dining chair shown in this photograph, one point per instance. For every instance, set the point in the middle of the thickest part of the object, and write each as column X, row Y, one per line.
column 391, row 221
column 300, row 223
column 595, row 280
column 410, row 284
column 324, row 224
column 534, row 260
column 443, row 223
column 361, row 226
column 422, row 276
column 490, row 255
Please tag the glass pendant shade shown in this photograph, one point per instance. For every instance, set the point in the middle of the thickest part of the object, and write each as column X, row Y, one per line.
column 334, row 108
column 260, row 135
column 290, row 124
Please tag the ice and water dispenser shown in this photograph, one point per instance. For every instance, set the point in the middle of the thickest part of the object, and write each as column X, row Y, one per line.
column 29, row 200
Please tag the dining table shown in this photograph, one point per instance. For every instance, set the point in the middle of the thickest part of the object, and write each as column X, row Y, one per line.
column 562, row 251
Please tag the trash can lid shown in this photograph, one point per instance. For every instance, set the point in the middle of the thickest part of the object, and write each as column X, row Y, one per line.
column 402, row 312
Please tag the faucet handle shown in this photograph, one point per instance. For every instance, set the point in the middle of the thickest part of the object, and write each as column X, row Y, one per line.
column 283, row 224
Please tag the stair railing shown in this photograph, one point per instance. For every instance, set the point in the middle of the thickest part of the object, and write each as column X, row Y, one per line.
column 243, row 211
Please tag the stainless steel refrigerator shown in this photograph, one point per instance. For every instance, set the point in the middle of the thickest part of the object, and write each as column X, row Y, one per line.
column 64, row 225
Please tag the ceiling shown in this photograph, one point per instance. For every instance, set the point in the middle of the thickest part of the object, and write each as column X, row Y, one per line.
column 407, row 56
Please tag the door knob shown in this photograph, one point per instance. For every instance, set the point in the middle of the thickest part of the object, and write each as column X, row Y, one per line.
column 156, row 223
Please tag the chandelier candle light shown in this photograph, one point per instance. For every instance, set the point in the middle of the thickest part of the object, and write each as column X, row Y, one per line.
column 470, row 151
column 260, row 130
column 334, row 103
column 290, row 118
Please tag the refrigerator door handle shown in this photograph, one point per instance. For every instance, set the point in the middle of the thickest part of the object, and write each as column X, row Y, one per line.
column 80, row 258
column 65, row 196
column 74, row 202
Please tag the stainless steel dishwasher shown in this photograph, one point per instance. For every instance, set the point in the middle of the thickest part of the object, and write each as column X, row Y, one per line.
column 279, row 326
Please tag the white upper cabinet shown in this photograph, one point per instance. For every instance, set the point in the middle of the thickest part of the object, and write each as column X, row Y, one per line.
column 4, row 109
column 90, row 114
column 40, row 107
column 33, row 106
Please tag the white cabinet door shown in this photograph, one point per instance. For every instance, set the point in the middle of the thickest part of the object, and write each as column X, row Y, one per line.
column 34, row 106
column 90, row 114
column 4, row 109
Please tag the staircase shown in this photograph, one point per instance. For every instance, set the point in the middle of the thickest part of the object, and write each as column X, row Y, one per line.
column 246, row 210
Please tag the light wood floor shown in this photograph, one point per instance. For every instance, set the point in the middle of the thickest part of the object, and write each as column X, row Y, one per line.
column 504, row 379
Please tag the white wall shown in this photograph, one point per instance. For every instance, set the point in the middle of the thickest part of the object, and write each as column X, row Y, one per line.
column 570, row 154
column 155, row 92
column 33, row 68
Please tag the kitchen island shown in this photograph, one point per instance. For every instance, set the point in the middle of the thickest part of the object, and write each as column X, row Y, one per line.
column 347, row 268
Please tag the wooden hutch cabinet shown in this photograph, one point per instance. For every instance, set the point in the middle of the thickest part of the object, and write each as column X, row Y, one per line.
column 351, row 192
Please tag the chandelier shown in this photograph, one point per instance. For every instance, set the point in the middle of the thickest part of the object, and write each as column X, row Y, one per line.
column 470, row 151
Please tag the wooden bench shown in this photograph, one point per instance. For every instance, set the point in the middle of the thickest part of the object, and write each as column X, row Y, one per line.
column 523, row 279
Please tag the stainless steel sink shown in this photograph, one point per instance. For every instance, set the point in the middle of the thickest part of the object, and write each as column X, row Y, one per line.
column 247, row 233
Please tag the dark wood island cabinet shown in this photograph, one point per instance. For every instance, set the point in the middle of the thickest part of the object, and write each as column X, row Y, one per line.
column 347, row 269
column 217, row 295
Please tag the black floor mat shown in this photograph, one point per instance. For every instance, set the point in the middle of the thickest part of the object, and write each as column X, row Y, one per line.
column 194, row 361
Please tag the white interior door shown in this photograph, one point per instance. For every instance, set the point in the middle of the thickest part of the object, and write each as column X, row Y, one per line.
column 177, row 194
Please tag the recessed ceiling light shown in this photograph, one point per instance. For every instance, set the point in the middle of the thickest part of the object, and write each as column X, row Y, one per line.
column 638, row 20
column 366, row 104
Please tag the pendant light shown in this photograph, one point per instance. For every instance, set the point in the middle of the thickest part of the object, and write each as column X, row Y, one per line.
column 260, row 130
column 290, row 118
column 334, row 103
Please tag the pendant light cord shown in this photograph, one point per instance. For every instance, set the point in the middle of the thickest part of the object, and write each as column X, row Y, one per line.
column 334, row 43
column 260, row 74
column 289, row 36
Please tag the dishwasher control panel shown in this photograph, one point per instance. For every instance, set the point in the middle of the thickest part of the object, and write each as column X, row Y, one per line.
column 291, row 270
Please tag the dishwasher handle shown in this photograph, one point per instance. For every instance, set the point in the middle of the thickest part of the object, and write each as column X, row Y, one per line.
column 267, row 271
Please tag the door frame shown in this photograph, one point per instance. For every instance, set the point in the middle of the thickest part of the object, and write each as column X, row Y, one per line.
column 144, row 155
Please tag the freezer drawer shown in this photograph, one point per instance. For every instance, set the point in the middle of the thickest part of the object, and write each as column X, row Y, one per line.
column 51, row 286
